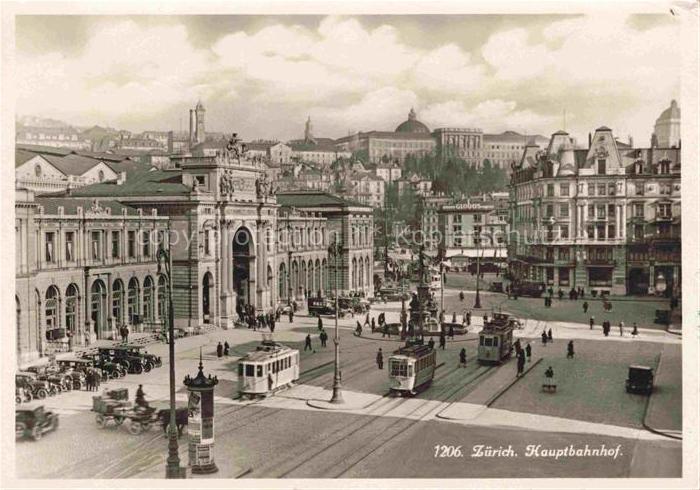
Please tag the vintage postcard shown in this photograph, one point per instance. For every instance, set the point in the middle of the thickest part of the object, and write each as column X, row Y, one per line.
column 317, row 245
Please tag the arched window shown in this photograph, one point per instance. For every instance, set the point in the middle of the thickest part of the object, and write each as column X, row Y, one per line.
column 71, row 308
column 118, row 301
column 269, row 276
column 162, row 297
column 282, row 282
column 133, row 307
column 148, row 299
column 51, row 313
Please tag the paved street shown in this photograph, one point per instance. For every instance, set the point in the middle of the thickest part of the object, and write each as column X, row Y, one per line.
column 380, row 436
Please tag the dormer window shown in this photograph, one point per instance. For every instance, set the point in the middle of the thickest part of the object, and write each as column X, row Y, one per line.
column 601, row 166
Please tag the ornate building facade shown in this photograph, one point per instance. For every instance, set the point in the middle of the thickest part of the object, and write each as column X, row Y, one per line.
column 606, row 218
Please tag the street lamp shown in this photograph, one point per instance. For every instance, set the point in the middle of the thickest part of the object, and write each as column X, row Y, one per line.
column 477, row 299
column 172, row 468
column 335, row 250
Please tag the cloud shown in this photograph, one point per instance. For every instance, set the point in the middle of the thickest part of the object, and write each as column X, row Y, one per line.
column 601, row 69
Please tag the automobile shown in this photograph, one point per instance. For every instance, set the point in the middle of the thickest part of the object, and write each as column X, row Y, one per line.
column 109, row 369
column 29, row 381
column 393, row 328
column 150, row 361
column 122, row 355
column 640, row 379
column 322, row 306
column 76, row 368
column 58, row 381
column 496, row 287
column 34, row 422
column 531, row 289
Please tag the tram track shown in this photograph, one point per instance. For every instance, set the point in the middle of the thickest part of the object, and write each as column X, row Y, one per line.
column 385, row 405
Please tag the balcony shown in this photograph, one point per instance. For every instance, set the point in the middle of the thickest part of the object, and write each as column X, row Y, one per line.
column 600, row 262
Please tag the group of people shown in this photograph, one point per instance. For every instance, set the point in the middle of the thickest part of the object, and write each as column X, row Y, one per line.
column 246, row 314
column 222, row 350
column 92, row 379
column 607, row 327
column 124, row 333
column 521, row 354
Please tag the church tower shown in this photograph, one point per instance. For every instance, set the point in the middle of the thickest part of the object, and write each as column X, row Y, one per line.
column 200, row 135
column 309, row 132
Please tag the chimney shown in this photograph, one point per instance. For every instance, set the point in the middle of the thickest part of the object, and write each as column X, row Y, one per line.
column 590, row 140
column 122, row 177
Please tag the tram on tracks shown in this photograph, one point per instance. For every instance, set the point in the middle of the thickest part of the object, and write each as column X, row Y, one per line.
column 269, row 368
column 411, row 369
column 496, row 339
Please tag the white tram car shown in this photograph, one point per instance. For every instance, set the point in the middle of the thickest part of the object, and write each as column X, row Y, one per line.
column 271, row 367
column 411, row 369
column 496, row 339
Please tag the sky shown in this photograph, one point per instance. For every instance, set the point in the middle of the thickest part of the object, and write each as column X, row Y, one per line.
column 262, row 76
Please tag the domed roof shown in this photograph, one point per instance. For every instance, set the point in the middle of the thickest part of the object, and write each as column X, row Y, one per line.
column 672, row 112
column 412, row 125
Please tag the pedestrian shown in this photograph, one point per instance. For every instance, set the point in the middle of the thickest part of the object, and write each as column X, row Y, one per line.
column 528, row 351
column 140, row 399
column 560, row 293
column 385, row 329
column 585, row 306
column 549, row 335
column 454, row 317
column 570, row 350
column 451, row 332
column 442, row 340
column 320, row 323
column 374, row 325
column 272, row 325
column 126, row 335
column 582, row 293
column 635, row 332
column 469, row 318
column 380, row 359
column 431, row 343
column 226, row 348
column 88, row 380
column 461, row 295
column 486, row 318
column 591, row 322
column 367, row 320
column 323, row 337
column 544, row 337
column 307, row 343
column 463, row 357
column 291, row 315
column 546, row 302
column 622, row 328
column 521, row 363
column 219, row 350
column 606, row 328
column 549, row 373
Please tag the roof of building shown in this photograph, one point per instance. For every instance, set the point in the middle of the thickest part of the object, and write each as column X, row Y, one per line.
column 138, row 183
column 300, row 145
column 312, row 198
column 22, row 156
column 70, row 205
column 672, row 112
column 412, row 125
column 514, row 137
column 107, row 157
column 49, row 150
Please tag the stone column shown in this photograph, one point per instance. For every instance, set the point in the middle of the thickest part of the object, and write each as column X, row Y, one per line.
column 623, row 230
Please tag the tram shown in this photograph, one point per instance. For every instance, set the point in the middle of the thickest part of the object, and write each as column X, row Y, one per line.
column 496, row 340
column 411, row 369
column 271, row 367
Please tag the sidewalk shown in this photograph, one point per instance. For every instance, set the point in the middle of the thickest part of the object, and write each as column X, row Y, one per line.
column 664, row 412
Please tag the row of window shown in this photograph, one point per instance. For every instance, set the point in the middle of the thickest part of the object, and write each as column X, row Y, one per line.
column 96, row 248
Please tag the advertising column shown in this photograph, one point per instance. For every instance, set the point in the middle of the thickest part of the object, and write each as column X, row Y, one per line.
column 200, row 423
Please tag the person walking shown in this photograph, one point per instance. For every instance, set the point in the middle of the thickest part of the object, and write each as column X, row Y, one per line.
column 442, row 340
column 454, row 317
column 451, row 332
column 591, row 322
column 463, row 357
column 461, row 295
column 219, row 350
column 622, row 328
column 323, row 337
column 367, row 320
column 307, row 343
column 635, row 331
column 226, row 348
column 291, row 315
column 320, row 323
column 272, row 325
column 521, row 363
column 140, row 399
column 126, row 335
column 528, row 352
column 469, row 318
column 431, row 343
column 380, row 359
column 88, row 380
column 374, row 325
column 549, row 335
column 585, row 306
column 570, row 350
column 544, row 337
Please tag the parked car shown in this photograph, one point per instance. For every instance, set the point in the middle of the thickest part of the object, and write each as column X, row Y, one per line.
column 76, row 368
column 29, row 381
column 532, row 289
column 322, row 306
column 57, row 380
column 34, row 422
column 640, row 379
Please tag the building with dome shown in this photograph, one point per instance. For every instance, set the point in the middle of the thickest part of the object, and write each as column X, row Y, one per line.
column 667, row 130
column 411, row 137
column 606, row 218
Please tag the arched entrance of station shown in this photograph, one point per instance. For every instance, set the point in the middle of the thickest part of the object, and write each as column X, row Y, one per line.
column 98, row 299
column 207, row 285
column 242, row 256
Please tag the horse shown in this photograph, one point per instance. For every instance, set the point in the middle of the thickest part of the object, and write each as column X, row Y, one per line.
column 181, row 415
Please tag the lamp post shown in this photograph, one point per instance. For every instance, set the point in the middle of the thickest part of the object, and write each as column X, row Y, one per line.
column 172, row 468
column 335, row 250
column 477, row 300
column 289, row 261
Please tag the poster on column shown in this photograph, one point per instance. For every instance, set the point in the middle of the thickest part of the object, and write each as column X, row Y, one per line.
column 194, row 417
